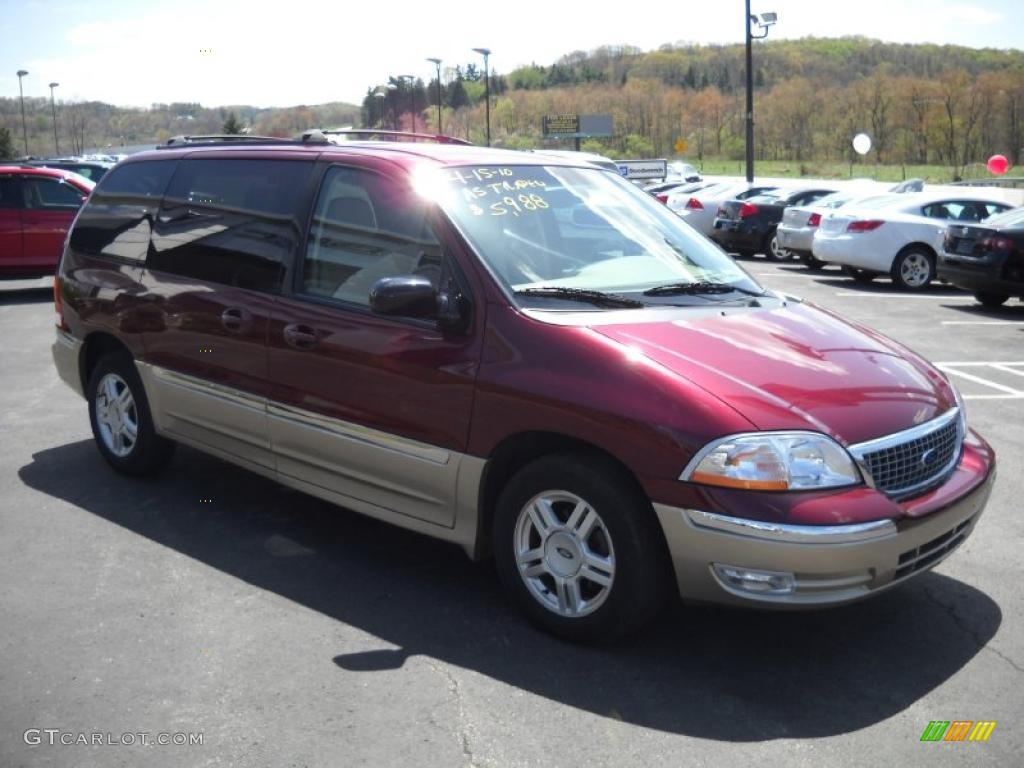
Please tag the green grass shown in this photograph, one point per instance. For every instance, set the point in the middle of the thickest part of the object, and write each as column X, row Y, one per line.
column 937, row 174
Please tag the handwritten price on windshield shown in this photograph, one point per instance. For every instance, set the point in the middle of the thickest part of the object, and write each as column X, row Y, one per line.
column 518, row 205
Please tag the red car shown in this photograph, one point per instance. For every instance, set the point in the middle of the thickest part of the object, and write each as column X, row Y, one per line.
column 525, row 355
column 37, row 206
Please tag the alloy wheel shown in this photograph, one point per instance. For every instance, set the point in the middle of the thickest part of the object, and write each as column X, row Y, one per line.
column 116, row 415
column 564, row 553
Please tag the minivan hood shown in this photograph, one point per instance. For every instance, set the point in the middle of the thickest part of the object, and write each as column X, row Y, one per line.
column 795, row 367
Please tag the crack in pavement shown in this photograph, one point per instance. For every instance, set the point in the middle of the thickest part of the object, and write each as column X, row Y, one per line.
column 463, row 725
column 968, row 630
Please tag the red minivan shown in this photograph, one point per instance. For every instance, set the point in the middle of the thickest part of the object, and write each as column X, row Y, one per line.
column 521, row 354
column 37, row 206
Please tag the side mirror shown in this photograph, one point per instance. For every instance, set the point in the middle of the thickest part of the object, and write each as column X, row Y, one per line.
column 408, row 296
column 415, row 296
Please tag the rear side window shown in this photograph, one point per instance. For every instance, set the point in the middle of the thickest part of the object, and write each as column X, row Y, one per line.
column 10, row 193
column 51, row 194
column 118, row 219
column 232, row 222
column 366, row 227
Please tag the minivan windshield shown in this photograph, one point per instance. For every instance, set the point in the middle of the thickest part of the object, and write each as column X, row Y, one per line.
column 580, row 232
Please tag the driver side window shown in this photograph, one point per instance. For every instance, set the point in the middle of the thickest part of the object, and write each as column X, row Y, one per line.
column 366, row 227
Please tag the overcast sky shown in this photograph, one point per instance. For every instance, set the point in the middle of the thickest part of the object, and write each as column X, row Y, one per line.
column 136, row 52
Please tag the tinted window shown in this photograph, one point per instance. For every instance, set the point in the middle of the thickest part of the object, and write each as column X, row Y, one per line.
column 233, row 222
column 118, row 219
column 10, row 193
column 51, row 194
column 366, row 227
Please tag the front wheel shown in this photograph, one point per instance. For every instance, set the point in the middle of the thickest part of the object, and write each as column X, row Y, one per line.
column 578, row 548
column 862, row 276
column 913, row 269
column 990, row 299
column 121, row 422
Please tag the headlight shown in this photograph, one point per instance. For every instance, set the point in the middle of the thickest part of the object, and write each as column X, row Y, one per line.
column 774, row 461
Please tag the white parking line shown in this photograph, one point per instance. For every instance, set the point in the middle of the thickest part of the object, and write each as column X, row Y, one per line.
column 1006, row 393
column 960, row 299
column 983, row 322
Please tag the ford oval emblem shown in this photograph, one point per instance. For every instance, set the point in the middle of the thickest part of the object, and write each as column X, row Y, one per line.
column 928, row 457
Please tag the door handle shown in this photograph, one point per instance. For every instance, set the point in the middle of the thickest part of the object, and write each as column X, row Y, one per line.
column 234, row 319
column 299, row 336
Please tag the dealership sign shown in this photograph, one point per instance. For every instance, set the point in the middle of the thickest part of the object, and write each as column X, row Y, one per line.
column 639, row 170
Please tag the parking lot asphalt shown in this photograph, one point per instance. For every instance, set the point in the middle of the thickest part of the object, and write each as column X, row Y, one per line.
column 288, row 632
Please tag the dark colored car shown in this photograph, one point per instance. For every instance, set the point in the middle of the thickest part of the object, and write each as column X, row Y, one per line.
column 37, row 206
column 526, row 356
column 90, row 169
column 987, row 258
column 748, row 226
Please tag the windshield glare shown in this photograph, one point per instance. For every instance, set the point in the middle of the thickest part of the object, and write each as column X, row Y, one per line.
column 551, row 226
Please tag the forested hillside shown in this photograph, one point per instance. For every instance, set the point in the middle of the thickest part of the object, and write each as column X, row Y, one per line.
column 920, row 103
column 95, row 124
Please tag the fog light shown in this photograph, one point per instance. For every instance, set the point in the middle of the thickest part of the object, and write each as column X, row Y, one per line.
column 754, row 581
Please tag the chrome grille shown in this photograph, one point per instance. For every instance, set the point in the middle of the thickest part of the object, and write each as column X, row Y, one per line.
column 914, row 460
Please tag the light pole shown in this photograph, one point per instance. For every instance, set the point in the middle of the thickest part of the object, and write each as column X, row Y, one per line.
column 412, row 98
column 437, row 64
column 53, row 106
column 380, row 96
column 486, row 52
column 24, row 128
column 762, row 22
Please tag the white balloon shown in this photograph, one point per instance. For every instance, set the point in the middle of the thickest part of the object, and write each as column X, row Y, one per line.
column 861, row 143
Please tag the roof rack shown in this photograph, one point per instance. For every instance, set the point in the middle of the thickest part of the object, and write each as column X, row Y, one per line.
column 223, row 138
column 313, row 136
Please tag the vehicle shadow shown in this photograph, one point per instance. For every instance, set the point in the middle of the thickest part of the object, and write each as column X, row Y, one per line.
column 1012, row 310
column 25, row 295
column 885, row 285
column 714, row 673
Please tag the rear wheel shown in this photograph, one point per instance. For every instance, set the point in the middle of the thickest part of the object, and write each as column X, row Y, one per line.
column 991, row 299
column 121, row 422
column 913, row 269
column 578, row 548
column 772, row 250
column 863, row 276
column 812, row 263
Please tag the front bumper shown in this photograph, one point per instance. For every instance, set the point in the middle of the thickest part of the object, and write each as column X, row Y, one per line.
column 66, row 350
column 830, row 565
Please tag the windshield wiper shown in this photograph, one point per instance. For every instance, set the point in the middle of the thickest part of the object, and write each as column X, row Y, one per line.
column 597, row 298
column 677, row 289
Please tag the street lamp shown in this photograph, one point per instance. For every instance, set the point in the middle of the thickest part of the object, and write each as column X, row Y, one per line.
column 437, row 64
column 24, row 128
column 53, row 106
column 412, row 98
column 380, row 96
column 486, row 52
column 762, row 22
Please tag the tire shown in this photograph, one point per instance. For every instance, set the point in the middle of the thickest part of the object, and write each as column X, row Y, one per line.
column 591, row 585
column 990, row 299
column 913, row 268
column 862, row 276
column 771, row 248
column 812, row 263
column 125, row 434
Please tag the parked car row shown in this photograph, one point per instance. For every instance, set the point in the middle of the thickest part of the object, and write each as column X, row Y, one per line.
column 90, row 168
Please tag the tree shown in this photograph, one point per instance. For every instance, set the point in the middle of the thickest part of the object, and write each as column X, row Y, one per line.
column 232, row 125
column 6, row 144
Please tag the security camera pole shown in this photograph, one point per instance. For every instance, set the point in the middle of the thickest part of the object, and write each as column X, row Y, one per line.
column 765, row 21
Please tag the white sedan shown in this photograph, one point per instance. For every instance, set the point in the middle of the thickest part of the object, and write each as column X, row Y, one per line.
column 894, row 234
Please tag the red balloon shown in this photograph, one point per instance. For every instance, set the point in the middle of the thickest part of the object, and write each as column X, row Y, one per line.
column 998, row 164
